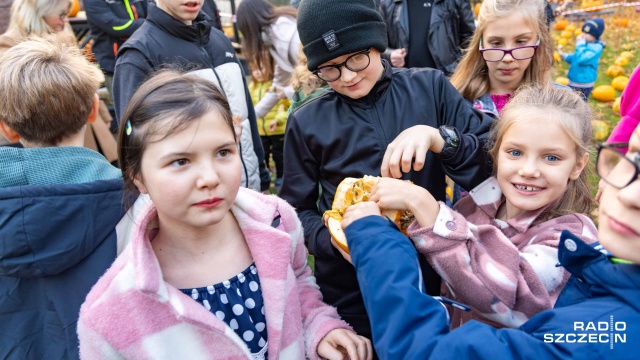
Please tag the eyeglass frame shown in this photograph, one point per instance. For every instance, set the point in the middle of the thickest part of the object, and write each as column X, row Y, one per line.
column 344, row 63
column 509, row 51
column 614, row 147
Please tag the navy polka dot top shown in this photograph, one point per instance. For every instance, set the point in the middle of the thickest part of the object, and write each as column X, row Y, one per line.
column 238, row 302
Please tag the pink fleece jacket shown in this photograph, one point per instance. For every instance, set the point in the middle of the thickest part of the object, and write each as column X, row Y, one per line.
column 506, row 271
column 629, row 110
column 132, row 313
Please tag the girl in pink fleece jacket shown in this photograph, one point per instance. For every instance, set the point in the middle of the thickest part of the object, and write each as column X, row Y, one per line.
column 497, row 252
column 213, row 271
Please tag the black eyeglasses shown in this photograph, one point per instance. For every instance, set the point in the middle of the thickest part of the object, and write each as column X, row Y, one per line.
column 356, row 62
column 615, row 168
column 518, row 53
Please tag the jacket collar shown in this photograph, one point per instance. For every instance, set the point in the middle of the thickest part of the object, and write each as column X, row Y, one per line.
column 488, row 197
column 271, row 248
column 594, row 268
column 378, row 90
column 197, row 32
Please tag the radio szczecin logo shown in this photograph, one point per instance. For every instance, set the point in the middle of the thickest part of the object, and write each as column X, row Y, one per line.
column 592, row 332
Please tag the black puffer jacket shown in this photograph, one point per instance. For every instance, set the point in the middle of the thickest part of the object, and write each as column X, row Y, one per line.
column 111, row 23
column 333, row 137
column 451, row 26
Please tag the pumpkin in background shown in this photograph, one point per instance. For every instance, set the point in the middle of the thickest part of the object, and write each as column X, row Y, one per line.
column 621, row 61
column 562, row 80
column 567, row 34
column 600, row 130
column 476, row 9
column 562, row 41
column 616, row 105
column 562, row 24
column 615, row 71
column 75, row 8
column 577, row 32
column 627, row 54
column 557, row 57
column 620, row 82
column 604, row 93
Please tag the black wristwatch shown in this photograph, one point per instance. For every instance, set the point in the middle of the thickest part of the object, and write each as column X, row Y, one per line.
column 451, row 138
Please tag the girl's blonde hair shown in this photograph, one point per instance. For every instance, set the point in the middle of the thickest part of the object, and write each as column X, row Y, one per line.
column 303, row 79
column 471, row 77
column 28, row 15
column 571, row 113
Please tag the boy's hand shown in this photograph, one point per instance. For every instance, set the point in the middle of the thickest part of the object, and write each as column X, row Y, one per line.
column 409, row 146
column 397, row 57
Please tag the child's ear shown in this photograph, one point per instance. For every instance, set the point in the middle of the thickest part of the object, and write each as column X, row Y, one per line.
column 137, row 181
column 93, row 115
column 9, row 133
column 580, row 164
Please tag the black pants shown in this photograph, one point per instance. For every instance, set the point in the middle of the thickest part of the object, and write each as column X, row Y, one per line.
column 273, row 146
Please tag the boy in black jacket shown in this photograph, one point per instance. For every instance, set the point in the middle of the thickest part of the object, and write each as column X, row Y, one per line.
column 180, row 35
column 376, row 121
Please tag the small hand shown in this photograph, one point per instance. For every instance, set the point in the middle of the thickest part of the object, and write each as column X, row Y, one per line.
column 340, row 342
column 280, row 92
column 409, row 146
column 358, row 211
column 397, row 57
column 394, row 194
column 273, row 125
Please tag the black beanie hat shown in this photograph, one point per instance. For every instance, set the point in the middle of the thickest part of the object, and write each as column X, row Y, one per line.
column 331, row 28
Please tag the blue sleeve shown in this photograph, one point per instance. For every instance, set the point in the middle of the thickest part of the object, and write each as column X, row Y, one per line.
column 584, row 54
column 408, row 324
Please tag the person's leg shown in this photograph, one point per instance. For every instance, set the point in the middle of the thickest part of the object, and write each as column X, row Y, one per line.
column 266, row 145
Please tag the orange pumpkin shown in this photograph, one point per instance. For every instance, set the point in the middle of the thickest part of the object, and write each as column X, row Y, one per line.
column 616, row 106
column 476, row 9
column 620, row 82
column 614, row 71
column 562, row 24
column 604, row 93
column 75, row 8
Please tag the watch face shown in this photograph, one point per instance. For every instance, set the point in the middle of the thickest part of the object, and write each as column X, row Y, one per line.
column 450, row 136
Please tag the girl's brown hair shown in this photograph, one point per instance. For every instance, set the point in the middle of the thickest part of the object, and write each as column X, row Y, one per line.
column 252, row 19
column 471, row 77
column 571, row 113
column 166, row 103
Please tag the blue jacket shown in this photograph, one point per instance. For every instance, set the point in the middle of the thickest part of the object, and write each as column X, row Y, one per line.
column 56, row 240
column 584, row 61
column 410, row 325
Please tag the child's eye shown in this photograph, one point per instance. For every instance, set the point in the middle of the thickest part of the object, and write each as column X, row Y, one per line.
column 514, row 152
column 552, row 158
column 179, row 162
column 224, row 153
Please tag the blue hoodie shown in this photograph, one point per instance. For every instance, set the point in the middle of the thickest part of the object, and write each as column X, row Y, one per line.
column 584, row 61
column 595, row 317
column 57, row 237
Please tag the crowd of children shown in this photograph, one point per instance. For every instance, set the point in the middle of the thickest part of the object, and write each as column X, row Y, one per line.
column 207, row 264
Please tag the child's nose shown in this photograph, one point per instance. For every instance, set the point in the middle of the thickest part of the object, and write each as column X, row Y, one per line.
column 529, row 170
column 630, row 195
column 208, row 176
column 347, row 75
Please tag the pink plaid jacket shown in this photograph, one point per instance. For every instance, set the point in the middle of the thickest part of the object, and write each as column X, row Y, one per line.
column 132, row 313
column 506, row 271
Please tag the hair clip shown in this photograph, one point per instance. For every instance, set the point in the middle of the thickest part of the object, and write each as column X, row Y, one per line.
column 128, row 129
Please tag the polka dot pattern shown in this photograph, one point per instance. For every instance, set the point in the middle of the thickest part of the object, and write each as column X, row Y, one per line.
column 239, row 303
